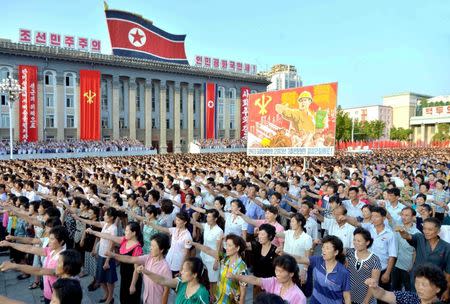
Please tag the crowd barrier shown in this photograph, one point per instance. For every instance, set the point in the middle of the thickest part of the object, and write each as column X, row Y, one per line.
column 79, row 154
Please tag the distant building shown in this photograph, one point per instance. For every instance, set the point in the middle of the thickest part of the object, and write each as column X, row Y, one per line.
column 282, row 77
column 403, row 107
column 370, row 113
column 422, row 118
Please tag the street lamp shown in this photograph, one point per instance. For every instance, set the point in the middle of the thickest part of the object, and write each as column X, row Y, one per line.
column 12, row 89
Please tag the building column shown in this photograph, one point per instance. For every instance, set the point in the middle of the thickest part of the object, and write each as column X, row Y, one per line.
column 190, row 115
column 238, row 117
column 422, row 133
column 132, row 107
column 115, row 107
column 162, row 120
column 59, row 108
column 176, row 119
column 226, row 116
column 148, row 113
column 40, row 108
column 202, row 112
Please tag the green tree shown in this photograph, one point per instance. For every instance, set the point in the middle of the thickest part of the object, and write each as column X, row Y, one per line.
column 443, row 133
column 343, row 125
column 400, row 134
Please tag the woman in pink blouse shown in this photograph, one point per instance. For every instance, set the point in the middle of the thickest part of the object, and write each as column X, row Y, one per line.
column 285, row 283
column 130, row 245
column 179, row 235
column 57, row 240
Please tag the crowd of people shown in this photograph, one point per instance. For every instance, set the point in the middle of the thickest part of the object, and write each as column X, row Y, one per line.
column 221, row 143
column 72, row 146
column 204, row 228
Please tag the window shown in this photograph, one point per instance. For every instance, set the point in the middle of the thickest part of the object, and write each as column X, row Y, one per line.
column 121, row 96
column 153, row 123
column 181, row 123
column 104, row 90
column 167, row 100
column 105, row 122
column 138, row 97
column 121, row 123
column 167, row 123
column 4, row 73
column 181, row 100
column 5, row 121
column 49, row 100
column 138, row 123
column 232, row 93
column 153, row 98
column 50, row 121
column 220, row 119
column 69, row 101
column 221, row 92
column 70, row 121
column 3, row 100
column 49, row 78
column 232, row 114
column 69, row 80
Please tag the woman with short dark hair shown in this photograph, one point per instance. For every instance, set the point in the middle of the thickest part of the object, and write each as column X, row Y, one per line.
column 362, row 265
column 430, row 284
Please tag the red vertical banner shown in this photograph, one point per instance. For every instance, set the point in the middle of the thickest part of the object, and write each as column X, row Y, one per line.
column 28, row 130
column 90, row 105
column 245, row 92
column 210, row 110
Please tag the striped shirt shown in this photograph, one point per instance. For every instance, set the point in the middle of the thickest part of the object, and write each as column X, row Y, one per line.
column 361, row 274
column 328, row 287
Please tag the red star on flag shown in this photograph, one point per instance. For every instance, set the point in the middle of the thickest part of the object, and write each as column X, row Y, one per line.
column 137, row 37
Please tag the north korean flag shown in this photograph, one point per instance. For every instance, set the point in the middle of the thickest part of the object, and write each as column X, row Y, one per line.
column 133, row 36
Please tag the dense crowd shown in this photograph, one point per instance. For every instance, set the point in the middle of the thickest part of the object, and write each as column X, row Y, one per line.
column 72, row 146
column 346, row 229
column 221, row 143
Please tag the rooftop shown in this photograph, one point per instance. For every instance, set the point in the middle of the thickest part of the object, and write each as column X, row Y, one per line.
column 46, row 52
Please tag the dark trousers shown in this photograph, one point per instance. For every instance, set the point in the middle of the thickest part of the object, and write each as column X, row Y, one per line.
column 385, row 286
column 400, row 279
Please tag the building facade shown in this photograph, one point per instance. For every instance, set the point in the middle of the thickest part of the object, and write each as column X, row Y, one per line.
column 425, row 124
column 369, row 113
column 160, row 104
column 403, row 107
column 282, row 77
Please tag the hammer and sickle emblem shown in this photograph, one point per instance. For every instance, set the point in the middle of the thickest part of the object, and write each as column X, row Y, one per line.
column 89, row 96
column 262, row 103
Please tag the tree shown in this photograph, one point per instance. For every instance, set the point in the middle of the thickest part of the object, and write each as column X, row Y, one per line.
column 400, row 134
column 443, row 133
column 343, row 125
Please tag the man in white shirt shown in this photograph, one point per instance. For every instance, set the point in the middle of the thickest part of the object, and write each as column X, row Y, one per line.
column 394, row 207
column 338, row 226
column 353, row 205
column 312, row 228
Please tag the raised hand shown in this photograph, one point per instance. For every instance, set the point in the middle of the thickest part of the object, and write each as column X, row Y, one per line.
column 5, row 244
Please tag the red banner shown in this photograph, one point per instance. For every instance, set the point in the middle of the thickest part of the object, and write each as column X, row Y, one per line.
column 210, row 110
column 28, row 127
column 90, row 105
column 245, row 92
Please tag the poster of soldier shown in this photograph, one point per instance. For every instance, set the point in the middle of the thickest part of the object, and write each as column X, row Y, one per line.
column 293, row 122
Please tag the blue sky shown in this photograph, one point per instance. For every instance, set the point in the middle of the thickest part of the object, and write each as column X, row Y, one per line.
column 372, row 48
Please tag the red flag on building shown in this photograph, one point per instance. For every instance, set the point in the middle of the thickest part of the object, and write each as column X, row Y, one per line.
column 28, row 125
column 90, row 105
column 210, row 110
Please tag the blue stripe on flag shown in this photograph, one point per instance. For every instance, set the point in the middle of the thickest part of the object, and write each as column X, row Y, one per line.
column 130, row 53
